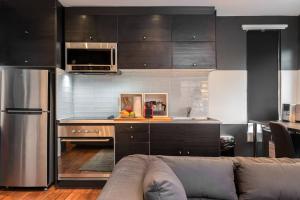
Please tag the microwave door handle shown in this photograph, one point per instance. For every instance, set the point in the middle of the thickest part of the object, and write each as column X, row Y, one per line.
column 112, row 56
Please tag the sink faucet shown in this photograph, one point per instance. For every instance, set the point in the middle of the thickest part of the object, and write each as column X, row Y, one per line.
column 188, row 111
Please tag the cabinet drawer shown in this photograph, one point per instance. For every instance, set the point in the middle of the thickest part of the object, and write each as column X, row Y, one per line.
column 194, row 55
column 144, row 55
column 193, row 28
column 135, row 28
column 130, row 133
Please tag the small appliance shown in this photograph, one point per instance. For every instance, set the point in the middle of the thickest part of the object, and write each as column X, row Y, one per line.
column 148, row 111
column 84, row 57
column 297, row 113
column 288, row 112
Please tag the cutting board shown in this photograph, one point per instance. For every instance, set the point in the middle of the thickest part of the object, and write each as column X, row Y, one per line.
column 159, row 119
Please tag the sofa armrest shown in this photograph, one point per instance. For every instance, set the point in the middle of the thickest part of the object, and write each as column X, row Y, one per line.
column 126, row 181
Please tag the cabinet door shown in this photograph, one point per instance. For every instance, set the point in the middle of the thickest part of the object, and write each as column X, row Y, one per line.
column 166, row 139
column 193, row 28
column 31, row 36
column 90, row 28
column 201, row 139
column 125, row 149
column 143, row 55
column 144, row 28
column 198, row 55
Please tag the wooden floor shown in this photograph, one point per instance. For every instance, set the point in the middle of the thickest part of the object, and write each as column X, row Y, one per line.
column 51, row 194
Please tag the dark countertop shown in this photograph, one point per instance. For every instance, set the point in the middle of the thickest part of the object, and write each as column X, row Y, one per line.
column 91, row 120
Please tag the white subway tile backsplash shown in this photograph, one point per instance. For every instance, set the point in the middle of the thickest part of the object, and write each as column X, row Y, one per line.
column 98, row 95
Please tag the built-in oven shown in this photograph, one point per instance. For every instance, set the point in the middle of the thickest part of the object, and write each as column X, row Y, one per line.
column 85, row 152
column 84, row 57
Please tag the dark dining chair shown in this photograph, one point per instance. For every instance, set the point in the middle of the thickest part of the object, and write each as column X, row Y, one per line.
column 283, row 142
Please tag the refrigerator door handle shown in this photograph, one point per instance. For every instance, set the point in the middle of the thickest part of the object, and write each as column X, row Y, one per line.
column 24, row 111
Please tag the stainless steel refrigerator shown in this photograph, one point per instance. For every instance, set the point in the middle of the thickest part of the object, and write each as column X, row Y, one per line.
column 25, row 159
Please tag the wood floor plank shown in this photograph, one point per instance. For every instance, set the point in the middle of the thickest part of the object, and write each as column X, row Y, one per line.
column 51, row 194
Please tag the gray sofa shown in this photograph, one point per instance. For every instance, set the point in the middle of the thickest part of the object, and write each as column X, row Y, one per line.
column 210, row 178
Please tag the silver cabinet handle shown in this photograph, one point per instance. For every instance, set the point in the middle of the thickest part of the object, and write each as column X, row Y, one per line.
column 131, row 126
column 180, row 152
column 194, row 64
column 85, row 140
column 131, row 137
column 144, row 37
column 145, row 65
column 188, row 153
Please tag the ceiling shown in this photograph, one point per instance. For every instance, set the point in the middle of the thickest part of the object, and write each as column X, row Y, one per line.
column 223, row 7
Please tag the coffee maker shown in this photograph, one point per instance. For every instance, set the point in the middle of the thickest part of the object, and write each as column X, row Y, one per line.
column 148, row 110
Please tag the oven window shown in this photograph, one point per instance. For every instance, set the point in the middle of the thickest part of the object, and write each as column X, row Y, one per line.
column 89, row 56
column 85, row 158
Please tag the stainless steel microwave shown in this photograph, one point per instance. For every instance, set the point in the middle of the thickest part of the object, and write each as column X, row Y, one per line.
column 84, row 57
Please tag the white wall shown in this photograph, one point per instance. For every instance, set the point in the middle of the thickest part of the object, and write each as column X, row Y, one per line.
column 228, row 96
column 298, row 88
column 289, row 86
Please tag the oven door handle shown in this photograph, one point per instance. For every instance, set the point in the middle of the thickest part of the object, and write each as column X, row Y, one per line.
column 85, row 140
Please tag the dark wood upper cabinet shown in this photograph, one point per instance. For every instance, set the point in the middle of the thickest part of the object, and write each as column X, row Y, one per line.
column 193, row 28
column 144, row 55
column 90, row 28
column 31, row 33
column 133, row 28
column 198, row 55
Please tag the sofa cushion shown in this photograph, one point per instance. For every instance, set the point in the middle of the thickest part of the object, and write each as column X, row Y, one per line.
column 160, row 183
column 126, row 181
column 269, row 181
column 204, row 177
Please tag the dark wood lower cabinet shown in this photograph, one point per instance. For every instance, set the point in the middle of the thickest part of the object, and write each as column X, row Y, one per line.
column 169, row 139
column 185, row 139
column 131, row 138
column 125, row 149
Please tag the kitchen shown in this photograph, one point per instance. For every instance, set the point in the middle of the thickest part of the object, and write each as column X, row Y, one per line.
column 144, row 98
column 119, row 81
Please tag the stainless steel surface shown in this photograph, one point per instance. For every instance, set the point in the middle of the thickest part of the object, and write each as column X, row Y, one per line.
column 179, row 120
column 23, row 150
column 85, row 140
column 87, row 176
column 113, row 47
column 90, row 45
column 69, row 163
column 24, row 128
column 86, row 131
column 24, row 88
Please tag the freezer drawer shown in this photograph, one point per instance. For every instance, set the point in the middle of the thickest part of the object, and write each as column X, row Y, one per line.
column 24, row 88
column 23, row 149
